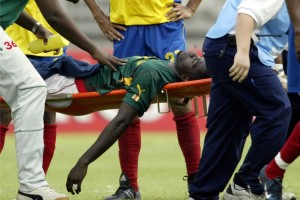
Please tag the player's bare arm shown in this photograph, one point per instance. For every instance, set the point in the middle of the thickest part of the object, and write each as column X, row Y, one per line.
column 109, row 29
column 29, row 23
column 179, row 11
column 63, row 24
column 107, row 138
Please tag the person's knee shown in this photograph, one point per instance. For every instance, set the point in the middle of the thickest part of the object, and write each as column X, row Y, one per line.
column 40, row 91
column 182, row 109
column 5, row 116
column 36, row 96
column 49, row 117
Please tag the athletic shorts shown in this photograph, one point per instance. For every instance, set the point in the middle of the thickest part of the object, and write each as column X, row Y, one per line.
column 163, row 41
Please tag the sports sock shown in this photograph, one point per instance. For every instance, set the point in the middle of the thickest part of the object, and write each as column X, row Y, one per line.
column 188, row 134
column 289, row 152
column 129, row 149
column 49, row 143
column 3, row 130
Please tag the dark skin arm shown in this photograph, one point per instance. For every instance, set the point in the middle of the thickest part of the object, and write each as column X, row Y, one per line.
column 109, row 29
column 294, row 11
column 107, row 138
column 179, row 11
column 27, row 22
column 62, row 23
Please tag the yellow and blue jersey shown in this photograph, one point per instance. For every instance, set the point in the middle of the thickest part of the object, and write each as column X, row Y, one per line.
column 140, row 12
column 23, row 37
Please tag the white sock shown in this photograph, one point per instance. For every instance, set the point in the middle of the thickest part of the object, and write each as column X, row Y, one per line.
column 280, row 162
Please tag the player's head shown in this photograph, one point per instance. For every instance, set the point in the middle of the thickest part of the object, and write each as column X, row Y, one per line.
column 190, row 66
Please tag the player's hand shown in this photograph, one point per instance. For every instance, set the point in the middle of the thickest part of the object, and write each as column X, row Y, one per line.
column 109, row 30
column 108, row 60
column 76, row 177
column 43, row 33
column 240, row 68
column 179, row 12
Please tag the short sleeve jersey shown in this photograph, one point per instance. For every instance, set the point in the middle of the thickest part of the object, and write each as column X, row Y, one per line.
column 142, row 77
column 10, row 11
column 140, row 12
column 23, row 37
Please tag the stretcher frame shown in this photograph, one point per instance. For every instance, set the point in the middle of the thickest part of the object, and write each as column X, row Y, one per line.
column 89, row 102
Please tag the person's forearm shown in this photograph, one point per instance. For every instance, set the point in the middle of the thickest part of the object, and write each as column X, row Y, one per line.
column 193, row 5
column 244, row 28
column 26, row 21
column 62, row 23
column 294, row 11
column 110, row 134
column 107, row 138
column 95, row 9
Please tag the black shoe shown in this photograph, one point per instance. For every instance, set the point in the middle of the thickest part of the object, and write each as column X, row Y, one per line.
column 125, row 191
column 272, row 187
column 189, row 178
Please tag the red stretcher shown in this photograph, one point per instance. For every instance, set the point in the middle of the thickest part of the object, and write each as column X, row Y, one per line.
column 89, row 102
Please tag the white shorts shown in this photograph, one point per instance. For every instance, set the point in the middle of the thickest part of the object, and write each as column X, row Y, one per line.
column 58, row 88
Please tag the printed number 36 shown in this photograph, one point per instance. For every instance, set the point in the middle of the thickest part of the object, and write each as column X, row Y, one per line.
column 10, row 45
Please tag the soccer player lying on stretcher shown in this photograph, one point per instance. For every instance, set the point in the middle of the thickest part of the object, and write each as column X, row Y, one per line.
column 142, row 77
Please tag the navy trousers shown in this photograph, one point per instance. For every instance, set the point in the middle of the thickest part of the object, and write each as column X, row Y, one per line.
column 258, row 106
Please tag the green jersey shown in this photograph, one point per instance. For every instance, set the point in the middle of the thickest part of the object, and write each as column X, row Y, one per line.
column 142, row 77
column 10, row 11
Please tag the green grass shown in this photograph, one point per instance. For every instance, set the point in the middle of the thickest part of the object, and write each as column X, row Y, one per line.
column 161, row 168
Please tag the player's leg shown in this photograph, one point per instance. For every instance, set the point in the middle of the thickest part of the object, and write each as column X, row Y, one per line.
column 165, row 41
column 49, row 122
column 5, row 118
column 49, row 138
column 130, row 142
column 273, row 174
column 25, row 92
column 188, row 134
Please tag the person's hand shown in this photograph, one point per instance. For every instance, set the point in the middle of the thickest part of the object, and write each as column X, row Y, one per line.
column 43, row 33
column 107, row 59
column 178, row 12
column 76, row 177
column 297, row 43
column 240, row 68
column 109, row 29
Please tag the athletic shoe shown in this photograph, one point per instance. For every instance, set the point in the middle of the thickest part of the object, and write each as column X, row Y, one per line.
column 189, row 178
column 236, row 192
column 288, row 196
column 125, row 191
column 42, row 193
column 273, row 187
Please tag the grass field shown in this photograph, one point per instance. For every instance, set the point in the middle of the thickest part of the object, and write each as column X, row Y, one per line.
column 161, row 169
